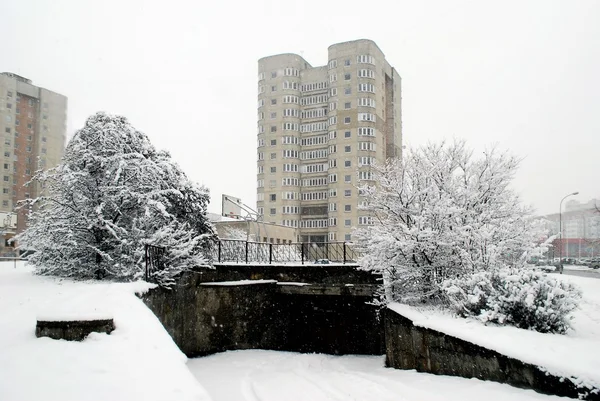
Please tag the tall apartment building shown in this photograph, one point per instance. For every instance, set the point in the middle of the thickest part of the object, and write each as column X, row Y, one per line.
column 33, row 122
column 319, row 131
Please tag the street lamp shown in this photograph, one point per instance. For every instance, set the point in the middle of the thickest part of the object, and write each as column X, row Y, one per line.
column 560, row 227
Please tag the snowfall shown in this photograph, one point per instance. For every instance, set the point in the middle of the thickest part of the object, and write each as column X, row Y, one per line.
column 139, row 361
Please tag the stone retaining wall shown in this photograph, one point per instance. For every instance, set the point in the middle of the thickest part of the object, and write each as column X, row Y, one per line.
column 203, row 316
column 412, row 347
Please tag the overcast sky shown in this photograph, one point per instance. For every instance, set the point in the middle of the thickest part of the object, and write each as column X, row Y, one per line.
column 520, row 74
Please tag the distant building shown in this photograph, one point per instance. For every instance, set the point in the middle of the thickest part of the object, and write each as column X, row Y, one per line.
column 319, row 131
column 580, row 229
column 33, row 121
column 255, row 231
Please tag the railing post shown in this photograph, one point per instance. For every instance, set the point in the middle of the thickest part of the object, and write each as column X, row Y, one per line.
column 146, row 259
column 302, row 252
column 219, row 254
column 246, row 252
column 344, row 252
column 270, row 253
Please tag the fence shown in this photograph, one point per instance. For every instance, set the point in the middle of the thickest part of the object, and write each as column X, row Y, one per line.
column 240, row 251
column 13, row 259
column 155, row 259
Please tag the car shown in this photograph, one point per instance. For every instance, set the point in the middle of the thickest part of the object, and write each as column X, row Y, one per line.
column 594, row 264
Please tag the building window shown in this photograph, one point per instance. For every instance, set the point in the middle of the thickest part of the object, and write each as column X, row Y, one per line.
column 6, row 166
column 28, row 148
column 347, row 237
column 347, row 62
column 273, row 115
column 366, row 59
column 7, row 130
column 347, row 120
column 366, row 88
column 347, row 163
column 347, row 148
column 347, row 91
column 347, row 192
column 5, row 203
column 347, row 134
column 273, row 142
column 273, row 169
column 30, row 101
column 347, row 77
column 9, row 94
column 273, row 128
column 274, row 74
column 6, row 178
column 9, row 106
column 44, row 150
column 6, row 154
column 272, row 211
column 347, row 222
column 333, row 91
column 273, row 156
column 348, row 178
column 17, row 121
column 273, row 101
column 347, row 105
column 273, row 197
column 273, row 88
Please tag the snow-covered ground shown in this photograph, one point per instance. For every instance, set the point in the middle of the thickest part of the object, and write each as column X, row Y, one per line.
column 257, row 375
column 138, row 361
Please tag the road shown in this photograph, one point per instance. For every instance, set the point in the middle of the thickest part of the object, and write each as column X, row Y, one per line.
column 257, row 375
column 583, row 273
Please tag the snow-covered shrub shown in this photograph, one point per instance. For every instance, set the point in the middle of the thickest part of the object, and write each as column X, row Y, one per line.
column 112, row 194
column 442, row 212
column 524, row 298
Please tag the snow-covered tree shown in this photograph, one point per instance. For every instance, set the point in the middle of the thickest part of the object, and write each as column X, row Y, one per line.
column 442, row 213
column 112, row 194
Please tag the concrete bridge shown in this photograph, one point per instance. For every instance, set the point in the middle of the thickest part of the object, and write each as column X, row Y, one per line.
column 289, row 307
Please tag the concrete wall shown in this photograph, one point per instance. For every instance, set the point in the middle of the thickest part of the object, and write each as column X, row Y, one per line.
column 412, row 347
column 203, row 316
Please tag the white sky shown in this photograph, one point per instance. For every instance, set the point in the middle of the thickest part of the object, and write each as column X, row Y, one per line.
column 520, row 74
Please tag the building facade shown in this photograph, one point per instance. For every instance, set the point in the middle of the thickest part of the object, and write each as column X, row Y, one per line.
column 319, row 131
column 580, row 230
column 33, row 122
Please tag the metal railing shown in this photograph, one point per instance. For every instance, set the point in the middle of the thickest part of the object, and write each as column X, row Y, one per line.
column 155, row 259
column 13, row 259
column 240, row 251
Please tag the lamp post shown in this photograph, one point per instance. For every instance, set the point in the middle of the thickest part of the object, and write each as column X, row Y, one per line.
column 560, row 228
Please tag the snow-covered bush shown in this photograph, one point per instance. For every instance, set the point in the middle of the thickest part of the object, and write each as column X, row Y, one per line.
column 112, row 194
column 440, row 212
column 524, row 298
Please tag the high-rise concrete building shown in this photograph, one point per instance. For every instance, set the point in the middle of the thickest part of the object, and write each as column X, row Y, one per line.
column 319, row 131
column 33, row 122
